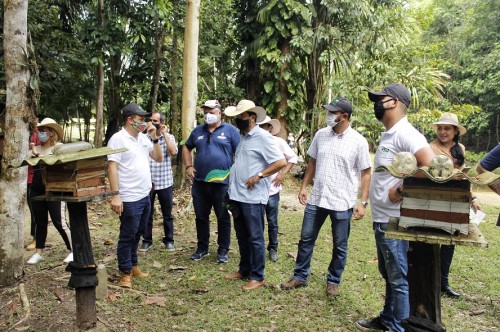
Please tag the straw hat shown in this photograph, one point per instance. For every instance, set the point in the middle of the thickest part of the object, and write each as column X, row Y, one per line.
column 449, row 119
column 48, row 122
column 273, row 122
column 246, row 106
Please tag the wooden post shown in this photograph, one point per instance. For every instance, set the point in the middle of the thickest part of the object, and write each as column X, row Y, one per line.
column 83, row 269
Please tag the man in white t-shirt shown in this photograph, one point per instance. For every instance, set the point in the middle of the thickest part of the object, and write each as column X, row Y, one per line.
column 390, row 107
column 340, row 164
column 273, row 126
column 129, row 174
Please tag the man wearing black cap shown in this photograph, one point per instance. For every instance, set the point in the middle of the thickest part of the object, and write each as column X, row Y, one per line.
column 390, row 107
column 339, row 158
column 130, row 176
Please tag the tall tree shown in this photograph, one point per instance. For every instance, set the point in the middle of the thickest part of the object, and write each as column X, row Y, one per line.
column 13, row 181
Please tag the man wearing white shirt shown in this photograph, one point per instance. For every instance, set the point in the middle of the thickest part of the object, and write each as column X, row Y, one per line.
column 272, row 208
column 340, row 162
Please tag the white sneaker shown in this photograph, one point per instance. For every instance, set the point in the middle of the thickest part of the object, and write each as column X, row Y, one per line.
column 35, row 259
column 68, row 258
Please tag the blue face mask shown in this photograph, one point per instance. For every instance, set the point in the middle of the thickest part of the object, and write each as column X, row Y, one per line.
column 43, row 137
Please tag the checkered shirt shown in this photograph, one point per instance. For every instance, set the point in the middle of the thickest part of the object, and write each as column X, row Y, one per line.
column 161, row 173
column 339, row 161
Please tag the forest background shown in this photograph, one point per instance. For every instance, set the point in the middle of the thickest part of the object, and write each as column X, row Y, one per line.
column 288, row 56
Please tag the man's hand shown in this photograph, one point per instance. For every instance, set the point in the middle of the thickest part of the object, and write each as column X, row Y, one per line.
column 152, row 131
column 303, row 196
column 394, row 195
column 190, row 172
column 278, row 180
column 253, row 180
column 359, row 211
column 117, row 204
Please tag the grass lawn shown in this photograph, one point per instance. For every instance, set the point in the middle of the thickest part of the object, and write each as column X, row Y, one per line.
column 183, row 295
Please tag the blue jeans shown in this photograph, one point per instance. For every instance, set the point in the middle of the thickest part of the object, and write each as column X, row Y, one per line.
column 132, row 223
column 272, row 209
column 249, row 227
column 206, row 196
column 393, row 265
column 165, row 197
column 314, row 218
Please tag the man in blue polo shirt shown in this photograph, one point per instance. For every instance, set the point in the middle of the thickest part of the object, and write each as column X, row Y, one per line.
column 257, row 157
column 215, row 142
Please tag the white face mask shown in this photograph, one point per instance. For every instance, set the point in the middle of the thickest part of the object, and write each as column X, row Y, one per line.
column 211, row 118
column 331, row 120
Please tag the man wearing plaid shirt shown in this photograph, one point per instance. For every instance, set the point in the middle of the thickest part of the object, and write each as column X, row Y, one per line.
column 339, row 162
column 163, row 181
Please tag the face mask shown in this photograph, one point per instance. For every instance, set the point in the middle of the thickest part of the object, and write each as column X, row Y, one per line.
column 211, row 118
column 379, row 109
column 43, row 136
column 331, row 120
column 139, row 126
column 242, row 124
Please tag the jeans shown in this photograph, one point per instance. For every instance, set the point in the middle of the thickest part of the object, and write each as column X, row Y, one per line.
column 314, row 218
column 132, row 223
column 40, row 211
column 206, row 196
column 165, row 197
column 272, row 209
column 393, row 266
column 249, row 227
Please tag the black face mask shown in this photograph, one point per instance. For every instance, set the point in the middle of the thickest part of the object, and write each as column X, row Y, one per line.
column 242, row 124
column 379, row 109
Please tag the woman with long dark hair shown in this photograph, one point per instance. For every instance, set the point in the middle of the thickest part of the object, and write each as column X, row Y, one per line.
column 448, row 132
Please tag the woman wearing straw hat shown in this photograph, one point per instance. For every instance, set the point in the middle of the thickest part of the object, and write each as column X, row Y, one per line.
column 50, row 135
column 448, row 132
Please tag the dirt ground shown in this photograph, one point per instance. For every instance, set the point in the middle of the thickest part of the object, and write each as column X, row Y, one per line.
column 49, row 305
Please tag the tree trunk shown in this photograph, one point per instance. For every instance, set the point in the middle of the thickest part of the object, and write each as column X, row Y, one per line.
column 160, row 39
column 18, row 111
column 174, row 105
column 115, row 82
column 190, row 67
column 99, row 108
column 283, row 89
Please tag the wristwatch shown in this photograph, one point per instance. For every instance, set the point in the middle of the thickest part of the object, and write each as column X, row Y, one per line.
column 260, row 175
column 365, row 204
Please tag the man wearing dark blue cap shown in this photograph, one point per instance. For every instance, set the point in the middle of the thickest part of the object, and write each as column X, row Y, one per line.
column 390, row 107
column 130, row 176
column 340, row 162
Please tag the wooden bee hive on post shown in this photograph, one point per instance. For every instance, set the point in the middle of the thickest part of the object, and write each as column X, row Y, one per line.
column 428, row 204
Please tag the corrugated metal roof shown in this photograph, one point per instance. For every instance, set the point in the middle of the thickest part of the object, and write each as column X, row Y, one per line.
column 69, row 157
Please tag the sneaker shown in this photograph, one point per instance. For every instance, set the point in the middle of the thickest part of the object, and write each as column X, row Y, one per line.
column 68, row 258
column 374, row 324
column 145, row 246
column 293, row 283
column 199, row 254
column 222, row 256
column 169, row 246
column 273, row 255
column 35, row 259
column 332, row 290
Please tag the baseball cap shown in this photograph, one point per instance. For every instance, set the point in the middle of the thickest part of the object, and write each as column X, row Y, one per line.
column 133, row 109
column 339, row 104
column 394, row 90
column 211, row 104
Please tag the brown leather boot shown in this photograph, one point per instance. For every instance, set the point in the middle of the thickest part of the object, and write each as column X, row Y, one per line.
column 136, row 273
column 125, row 280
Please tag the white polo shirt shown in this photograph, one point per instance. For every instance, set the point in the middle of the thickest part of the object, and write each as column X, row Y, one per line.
column 339, row 161
column 134, row 176
column 402, row 137
column 290, row 157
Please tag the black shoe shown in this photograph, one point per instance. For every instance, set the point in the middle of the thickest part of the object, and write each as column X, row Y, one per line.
column 169, row 246
column 448, row 291
column 222, row 256
column 145, row 246
column 374, row 324
column 199, row 254
column 273, row 255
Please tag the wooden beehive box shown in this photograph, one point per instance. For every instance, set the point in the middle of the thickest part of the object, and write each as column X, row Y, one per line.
column 85, row 177
column 427, row 204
